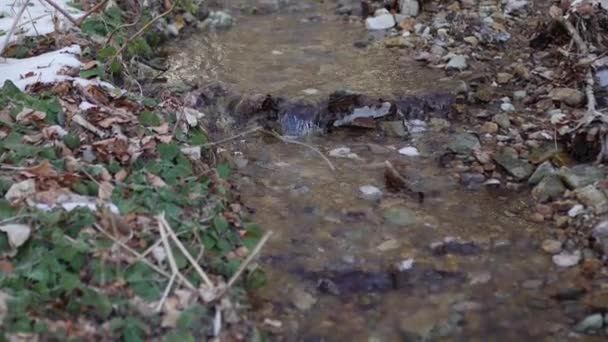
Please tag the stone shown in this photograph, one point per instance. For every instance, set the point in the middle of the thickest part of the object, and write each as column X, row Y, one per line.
column 438, row 50
column 489, row 127
column 303, row 300
column 519, row 95
column 399, row 42
column 457, row 62
column 409, row 151
column 484, row 94
column 463, row 143
column 471, row 40
column 503, row 77
column 593, row 198
column 567, row 259
column 550, row 187
column 388, row 245
column 514, row 7
column 394, row 129
column 576, row 210
column 400, row 216
column 409, row 8
column 543, row 170
column 370, row 192
column 343, row 152
column 551, row 246
column 507, row 107
column 502, row 120
column 219, row 20
column 600, row 234
column 569, row 96
column 591, row 323
column 381, row 22
column 514, row 166
column 580, row 175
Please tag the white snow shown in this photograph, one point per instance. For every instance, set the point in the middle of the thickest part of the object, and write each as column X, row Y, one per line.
column 36, row 20
column 409, row 151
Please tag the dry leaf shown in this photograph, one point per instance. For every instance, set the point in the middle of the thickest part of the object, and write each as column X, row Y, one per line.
column 6, row 267
column 21, row 190
column 105, row 190
column 90, row 65
column 17, row 233
column 154, row 180
column 555, row 12
column 121, row 175
column 44, row 169
column 28, row 115
column 162, row 129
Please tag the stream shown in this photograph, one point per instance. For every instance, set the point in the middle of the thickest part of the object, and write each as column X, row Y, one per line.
column 463, row 264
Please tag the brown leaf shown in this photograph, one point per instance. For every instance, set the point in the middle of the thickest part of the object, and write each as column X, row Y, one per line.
column 6, row 266
column 28, row 115
column 555, row 12
column 121, row 175
column 90, row 65
column 162, row 129
column 154, row 180
column 44, row 169
column 105, row 190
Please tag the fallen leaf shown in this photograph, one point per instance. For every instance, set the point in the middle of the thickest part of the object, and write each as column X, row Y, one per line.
column 6, row 267
column 162, row 129
column 21, row 190
column 105, row 190
column 17, row 234
column 90, row 65
column 154, row 180
column 44, row 169
column 28, row 115
column 121, row 175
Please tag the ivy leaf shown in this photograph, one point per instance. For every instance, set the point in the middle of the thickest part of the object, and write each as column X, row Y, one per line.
column 223, row 171
column 148, row 118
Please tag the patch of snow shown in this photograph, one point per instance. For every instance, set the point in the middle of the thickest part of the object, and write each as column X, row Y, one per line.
column 409, row 151
column 343, row 152
column 370, row 192
column 416, row 126
column 405, row 265
column 36, row 20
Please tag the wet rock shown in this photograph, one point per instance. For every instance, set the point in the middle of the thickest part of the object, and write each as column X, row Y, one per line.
column 303, row 300
column 365, row 112
column 591, row 323
column 423, row 276
column 567, row 259
column 394, row 129
column 502, row 120
column 457, row 62
column 543, row 170
column 514, row 166
column 356, row 281
column 593, row 197
column 400, row 216
column 600, row 234
column 455, row 247
column 219, row 20
column 519, row 95
column 370, row 193
column 569, row 96
column 409, row 8
column 551, row 246
column 463, row 143
column 581, row 175
column 380, row 22
column 550, row 187
column 295, row 118
column 489, row 128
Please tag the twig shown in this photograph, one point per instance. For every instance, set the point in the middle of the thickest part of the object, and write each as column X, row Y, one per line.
column 118, row 29
column 63, row 12
column 253, row 130
column 197, row 267
column 289, row 141
column 166, row 293
column 32, row 20
column 172, row 264
column 91, row 11
column 143, row 29
column 247, row 261
column 12, row 30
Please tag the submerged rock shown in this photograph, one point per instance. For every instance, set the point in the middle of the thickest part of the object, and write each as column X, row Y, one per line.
column 219, row 20
column 543, row 170
column 550, row 187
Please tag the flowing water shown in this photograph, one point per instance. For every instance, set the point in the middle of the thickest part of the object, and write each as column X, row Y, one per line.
column 331, row 261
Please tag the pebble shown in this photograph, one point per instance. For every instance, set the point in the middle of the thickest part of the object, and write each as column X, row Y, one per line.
column 590, row 323
column 370, row 192
column 409, row 151
column 551, row 246
column 457, row 62
column 489, row 128
column 507, row 107
column 303, row 300
column 569, row 96
column 519, row 95
column 576, row 210
column 388, row 245
column 381, row 22
column 343, row 152
column 567, row 259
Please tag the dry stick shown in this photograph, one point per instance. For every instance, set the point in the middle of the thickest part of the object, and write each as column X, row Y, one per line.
column 62, row 11
column 172, row 264
column 166, row 293
column 143, row 29
column 289, row 141
column 15, row 22
column 184, row 251
column 253, row 130
column 247, row 261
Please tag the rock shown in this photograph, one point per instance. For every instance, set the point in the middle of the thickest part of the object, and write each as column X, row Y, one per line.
column 409, row 151
column 394, row 128
column 381, row 22
column 543, row 170
column 454, row 247
column 513, row 7
column 580, row 175
column 409, row 8
column 519, row 95
column 489, row 128
column 576, row 210
column 400, row 216
column 457, row 62
column 507, row 107
column 514, row 166
column 343, row 152
column 303, row 300
column 569, row 96
column 503, row 78
column 502, row 120
column 463, row 143
column 438, row 50
column 388, row 245
column 370, row 192
column 484, row 94
column 551, row 246
column 471, row 40
column 398, row 42
column 550, row 187
column 219, row 20
column 591, row 323
column 592, row 197
column 600, row 234
column 567, row 259
column 466, row 306
column 521, row 71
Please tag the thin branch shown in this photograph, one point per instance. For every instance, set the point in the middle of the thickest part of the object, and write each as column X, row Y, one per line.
column 253, row 130
column 290, row 141
column 63, row 12
column 15, row 22
column 247, row 261
column 91, row 11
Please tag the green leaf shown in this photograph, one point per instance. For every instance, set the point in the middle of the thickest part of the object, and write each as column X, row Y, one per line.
column 148, row 118
column 168, row 152
column 106, row 52
column 178, row 336
column 93, row 72
column 71, row 141
column 223, row 171
column 255, row 279
column 220, row 223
